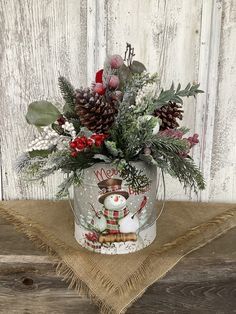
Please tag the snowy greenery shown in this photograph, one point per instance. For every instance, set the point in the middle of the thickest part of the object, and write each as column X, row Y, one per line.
column 133, row 136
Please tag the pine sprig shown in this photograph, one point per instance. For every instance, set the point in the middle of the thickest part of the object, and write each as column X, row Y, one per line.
column 175, row 95
column 168, row 146
column 166, row 152
column 135, row 178
column 75, row 178
column 187, row 173
column 67, row 91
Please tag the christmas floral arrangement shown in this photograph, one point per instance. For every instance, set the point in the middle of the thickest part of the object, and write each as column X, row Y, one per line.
column 125, row 116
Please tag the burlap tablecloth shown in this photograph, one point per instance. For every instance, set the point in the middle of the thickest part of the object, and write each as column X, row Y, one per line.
column 115, row 282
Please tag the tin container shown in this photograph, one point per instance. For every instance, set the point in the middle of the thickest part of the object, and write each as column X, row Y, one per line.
column 110, row 218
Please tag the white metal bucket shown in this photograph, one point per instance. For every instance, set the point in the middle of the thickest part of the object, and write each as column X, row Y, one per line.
column 104, row 206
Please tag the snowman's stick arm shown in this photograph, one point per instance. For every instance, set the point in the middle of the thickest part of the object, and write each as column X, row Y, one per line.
column 96, row 212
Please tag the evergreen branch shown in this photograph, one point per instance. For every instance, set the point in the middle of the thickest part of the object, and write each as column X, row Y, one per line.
column 166, row 151
column 67, row 91
column 167, row 145
column 135, row 178
column 75, row 178
column 175, row 95
column 187, row 173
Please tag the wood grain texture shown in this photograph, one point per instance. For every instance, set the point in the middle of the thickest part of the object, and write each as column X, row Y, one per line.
column 208, row 77
column 38, row 40
column 183, row 40
column 203, row 282
column 223, row 170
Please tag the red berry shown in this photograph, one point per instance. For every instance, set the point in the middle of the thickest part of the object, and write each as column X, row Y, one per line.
column 98, row 78
column 99, row 89
column 81, row 145
column 94, row 136
column 116, row 61
column 74, row 154
column 83, row 139
column 73, row 145
column 113, row 81
column 90, row 142
column 98, row 143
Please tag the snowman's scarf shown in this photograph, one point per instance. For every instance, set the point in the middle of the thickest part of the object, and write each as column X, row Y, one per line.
column 112, row 217
column 115, row 214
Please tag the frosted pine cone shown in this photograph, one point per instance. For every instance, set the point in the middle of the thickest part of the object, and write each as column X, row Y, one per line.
column 169, row 114
column 95, row 111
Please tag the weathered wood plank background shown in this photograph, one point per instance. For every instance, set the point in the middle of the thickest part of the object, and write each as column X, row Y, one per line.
column 184, row 40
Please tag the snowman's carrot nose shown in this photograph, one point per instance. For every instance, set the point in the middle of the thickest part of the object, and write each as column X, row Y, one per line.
column 116, row 198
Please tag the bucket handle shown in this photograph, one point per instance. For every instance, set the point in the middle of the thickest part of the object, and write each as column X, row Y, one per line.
column 164, row 195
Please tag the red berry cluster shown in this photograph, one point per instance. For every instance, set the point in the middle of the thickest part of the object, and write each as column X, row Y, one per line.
column 81, row 143
column 112, row 81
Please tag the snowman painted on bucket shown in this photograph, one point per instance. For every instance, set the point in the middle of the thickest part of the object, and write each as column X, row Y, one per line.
column 115, row 218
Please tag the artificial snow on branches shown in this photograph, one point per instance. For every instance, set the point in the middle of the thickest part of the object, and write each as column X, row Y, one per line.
column 124, row 117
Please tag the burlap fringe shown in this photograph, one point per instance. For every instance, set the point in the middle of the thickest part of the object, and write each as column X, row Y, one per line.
column 135, row 280
column 62, row 269
column 224, row 219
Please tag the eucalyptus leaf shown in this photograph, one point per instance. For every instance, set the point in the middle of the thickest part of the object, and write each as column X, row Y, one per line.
column 102, row 157
column 42, row 113
column 137, row 67
column 124, row 74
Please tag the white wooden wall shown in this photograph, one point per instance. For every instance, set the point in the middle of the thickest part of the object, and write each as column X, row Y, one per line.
column 183, row 40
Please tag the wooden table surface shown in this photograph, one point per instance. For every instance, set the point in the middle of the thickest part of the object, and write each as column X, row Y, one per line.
column 203, row 282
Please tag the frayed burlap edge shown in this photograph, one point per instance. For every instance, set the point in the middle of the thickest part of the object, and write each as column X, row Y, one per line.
column 226, row 221
column 215, row 228
column 63, row 270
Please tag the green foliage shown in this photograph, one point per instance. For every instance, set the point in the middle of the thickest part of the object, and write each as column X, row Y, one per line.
column 175, row 95
column 130, row 134
column 137, row 67
column 187, row 173
column 42, row 113
column 37, row 168
column 167, row 146
column 167, row 152
column 74, row 178
column 112, row 149
column 101, row 157
column 135, row 178
column 68, row 93
column 39, row 153
column 29, row 168
column 125, row 75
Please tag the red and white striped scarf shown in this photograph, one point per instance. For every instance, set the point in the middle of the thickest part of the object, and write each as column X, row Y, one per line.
column 112, row 217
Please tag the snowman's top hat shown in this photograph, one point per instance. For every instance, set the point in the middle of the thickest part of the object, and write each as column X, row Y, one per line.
column 111, row 186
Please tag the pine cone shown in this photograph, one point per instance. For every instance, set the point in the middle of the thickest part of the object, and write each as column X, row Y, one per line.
column 168, row 115
column 95, row 111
